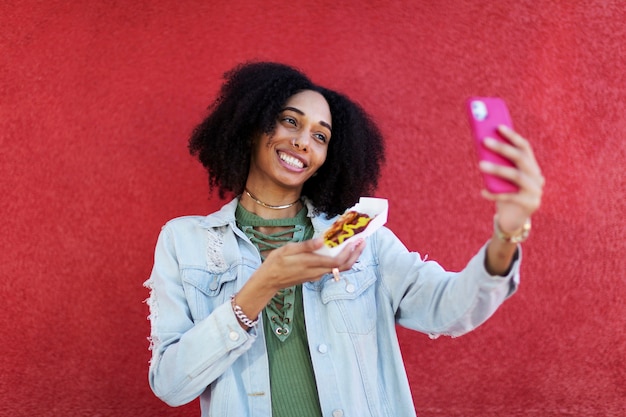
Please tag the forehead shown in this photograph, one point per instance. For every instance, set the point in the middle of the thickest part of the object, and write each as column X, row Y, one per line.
column 312, row 104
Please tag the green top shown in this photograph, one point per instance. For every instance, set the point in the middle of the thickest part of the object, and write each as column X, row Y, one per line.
column 292, row 381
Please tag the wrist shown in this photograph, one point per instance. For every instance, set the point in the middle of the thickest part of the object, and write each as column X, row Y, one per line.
column 243, row 319
column 517, row 236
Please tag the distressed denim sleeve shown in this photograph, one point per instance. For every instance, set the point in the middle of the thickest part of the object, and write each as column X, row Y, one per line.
column 186, row 356
column 432, row 300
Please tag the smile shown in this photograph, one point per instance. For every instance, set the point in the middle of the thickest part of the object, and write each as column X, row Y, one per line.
column 290, row 160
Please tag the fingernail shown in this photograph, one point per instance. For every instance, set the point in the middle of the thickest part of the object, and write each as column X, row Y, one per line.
column 485, row 165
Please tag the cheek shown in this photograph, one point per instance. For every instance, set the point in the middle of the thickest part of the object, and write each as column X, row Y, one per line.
column 322, row 155
column 280, row 131
column 261, row 143
column 260, row 148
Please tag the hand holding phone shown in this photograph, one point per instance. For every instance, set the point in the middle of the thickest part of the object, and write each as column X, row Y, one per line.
column 485, row 115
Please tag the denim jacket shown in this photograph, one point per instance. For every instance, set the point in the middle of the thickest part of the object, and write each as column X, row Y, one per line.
column 199, row 348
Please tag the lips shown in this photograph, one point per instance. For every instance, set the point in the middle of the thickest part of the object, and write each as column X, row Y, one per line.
column 291, row 160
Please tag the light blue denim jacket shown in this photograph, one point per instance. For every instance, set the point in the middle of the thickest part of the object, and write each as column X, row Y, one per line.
column 199, row 349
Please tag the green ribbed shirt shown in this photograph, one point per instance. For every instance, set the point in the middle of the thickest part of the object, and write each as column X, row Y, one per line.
column 292, row 381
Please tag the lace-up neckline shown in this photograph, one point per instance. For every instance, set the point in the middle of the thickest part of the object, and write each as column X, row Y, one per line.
column 280, row 310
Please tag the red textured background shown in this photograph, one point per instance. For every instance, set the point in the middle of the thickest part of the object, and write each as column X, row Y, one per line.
column 97, row 100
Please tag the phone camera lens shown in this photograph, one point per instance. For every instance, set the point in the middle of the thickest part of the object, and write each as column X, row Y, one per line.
column 479, row 110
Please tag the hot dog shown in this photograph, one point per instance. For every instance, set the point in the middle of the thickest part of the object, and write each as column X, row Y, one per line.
column 346, row 226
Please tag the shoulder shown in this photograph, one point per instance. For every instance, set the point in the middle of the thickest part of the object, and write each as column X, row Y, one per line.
column 184, row 224
column 185, row 220
column 223, row 217
column 197, row 244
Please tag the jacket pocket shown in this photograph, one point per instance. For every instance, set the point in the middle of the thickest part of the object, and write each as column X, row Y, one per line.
column 205, row 290
column 351, row 301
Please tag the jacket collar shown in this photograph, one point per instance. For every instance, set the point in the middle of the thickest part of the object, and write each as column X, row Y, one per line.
column 224, row 216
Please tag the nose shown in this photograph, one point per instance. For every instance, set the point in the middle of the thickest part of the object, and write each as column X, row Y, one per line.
column 301, row 142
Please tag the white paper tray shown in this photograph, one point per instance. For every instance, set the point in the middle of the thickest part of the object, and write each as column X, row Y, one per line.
column 373, row 207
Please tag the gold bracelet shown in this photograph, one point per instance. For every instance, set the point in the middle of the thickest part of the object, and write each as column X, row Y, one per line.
column 514, row 238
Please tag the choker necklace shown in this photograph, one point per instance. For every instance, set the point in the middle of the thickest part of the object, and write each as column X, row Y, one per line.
column 269, row 206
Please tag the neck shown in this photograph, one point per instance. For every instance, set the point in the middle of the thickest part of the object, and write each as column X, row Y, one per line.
column 271, row 207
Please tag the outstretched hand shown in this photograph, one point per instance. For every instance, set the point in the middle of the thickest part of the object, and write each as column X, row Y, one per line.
column 513, row 209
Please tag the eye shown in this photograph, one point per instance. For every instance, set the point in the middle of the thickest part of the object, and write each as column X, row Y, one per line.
column 290, row 120
column 319, row 136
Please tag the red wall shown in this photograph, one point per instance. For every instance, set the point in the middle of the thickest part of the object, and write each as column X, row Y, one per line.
column 97, row 100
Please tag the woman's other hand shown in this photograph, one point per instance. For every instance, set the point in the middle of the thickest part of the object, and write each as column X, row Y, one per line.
column 294, row 263
column 513, row 209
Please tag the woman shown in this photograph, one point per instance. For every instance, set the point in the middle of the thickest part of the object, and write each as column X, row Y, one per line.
column 248, row 317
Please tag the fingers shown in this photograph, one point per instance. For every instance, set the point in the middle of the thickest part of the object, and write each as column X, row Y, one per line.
column 346, row 258
column 295, row 263
column 350, row 254
column 310, row 245
column 515, row 138
column 523, row 179
column 526, row 171
column 530, row 186
column 343, row 261
column 521, row 153
column 526, row 174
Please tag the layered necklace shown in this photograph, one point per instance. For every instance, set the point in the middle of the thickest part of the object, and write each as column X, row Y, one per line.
column 269, row 206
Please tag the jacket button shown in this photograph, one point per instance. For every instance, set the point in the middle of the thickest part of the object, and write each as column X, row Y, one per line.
column 322, row 348
column 338, row 413
column 350, row 288
column 234, row 336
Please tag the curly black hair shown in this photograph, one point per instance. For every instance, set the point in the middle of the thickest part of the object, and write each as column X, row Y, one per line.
column 249, row 103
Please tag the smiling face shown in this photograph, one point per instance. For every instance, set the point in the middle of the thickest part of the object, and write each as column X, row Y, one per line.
column 281, row 162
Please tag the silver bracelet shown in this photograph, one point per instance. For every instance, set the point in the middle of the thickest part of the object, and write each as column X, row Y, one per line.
column 241, row 316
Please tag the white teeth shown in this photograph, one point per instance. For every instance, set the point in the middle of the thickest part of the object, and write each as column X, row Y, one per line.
column 295, row 162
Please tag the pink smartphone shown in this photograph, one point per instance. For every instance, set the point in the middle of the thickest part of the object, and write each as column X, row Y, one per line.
column 485, row 115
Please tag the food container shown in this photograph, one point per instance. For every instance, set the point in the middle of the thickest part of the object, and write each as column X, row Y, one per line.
column 376, row 208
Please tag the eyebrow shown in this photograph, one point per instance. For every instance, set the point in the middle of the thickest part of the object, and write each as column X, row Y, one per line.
column 293, row 109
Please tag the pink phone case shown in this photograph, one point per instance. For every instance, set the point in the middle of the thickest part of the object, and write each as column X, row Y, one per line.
column 485, row 115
